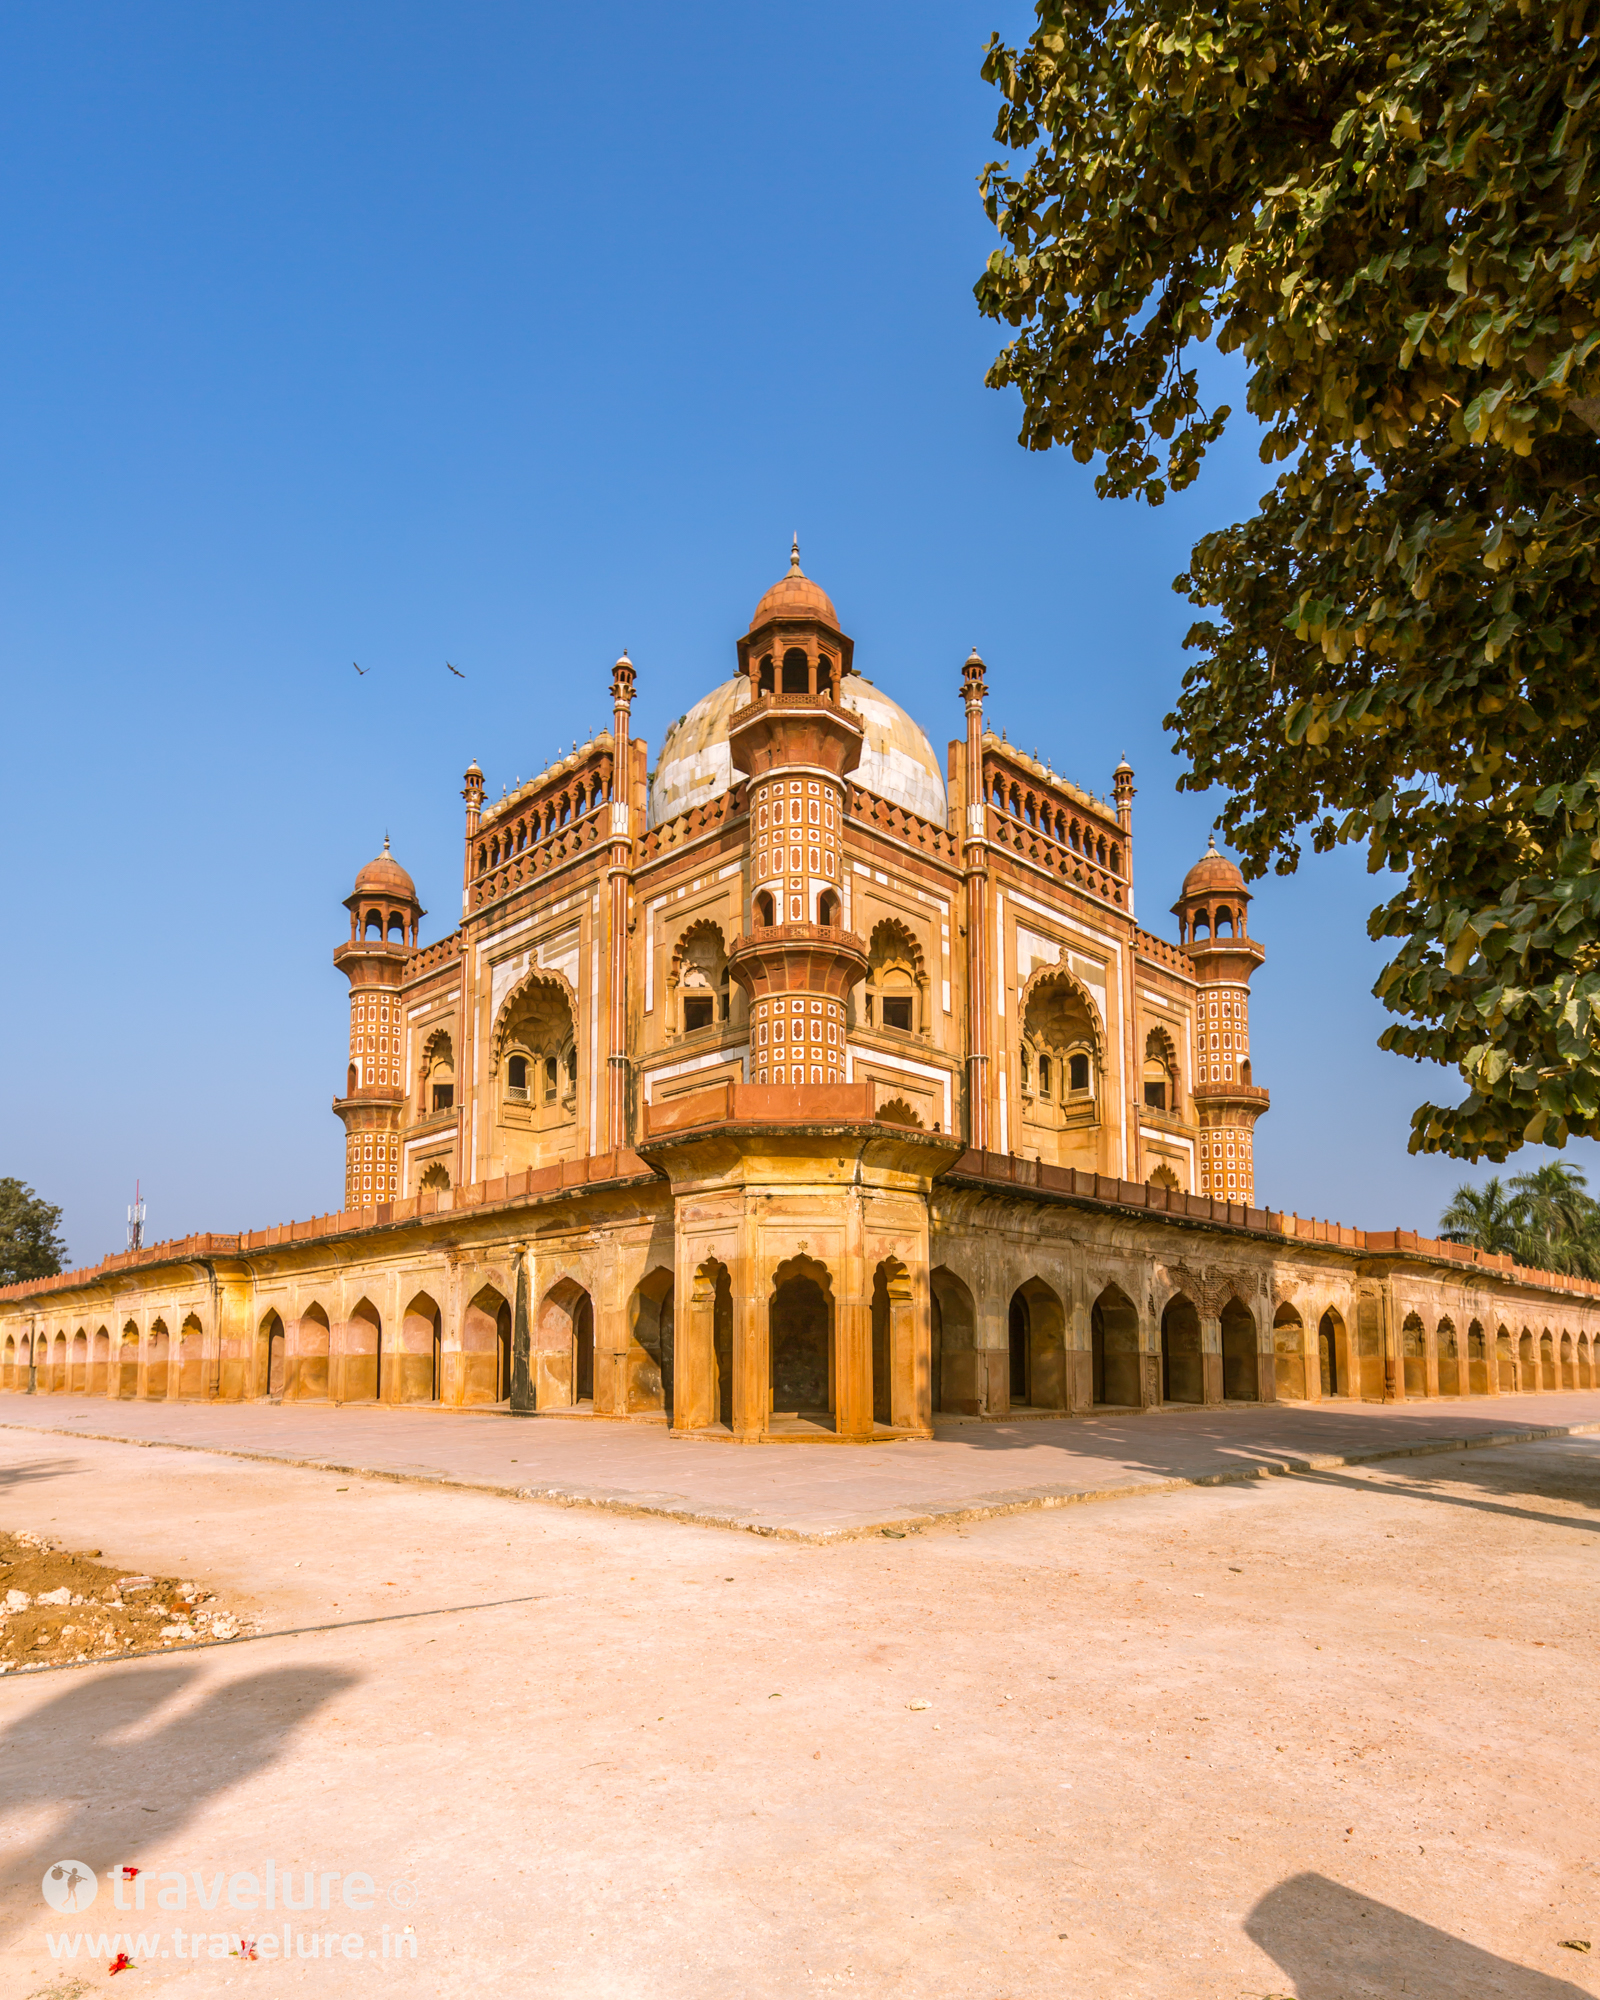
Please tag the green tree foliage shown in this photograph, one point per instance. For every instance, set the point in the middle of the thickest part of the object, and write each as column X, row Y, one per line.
column 1545, row 1219
column 1389, row 210
column 30, row 1241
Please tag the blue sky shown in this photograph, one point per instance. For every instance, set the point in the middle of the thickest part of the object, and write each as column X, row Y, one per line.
column 514, row 335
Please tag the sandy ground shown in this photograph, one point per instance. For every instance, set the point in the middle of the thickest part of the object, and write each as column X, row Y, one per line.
column 1327, row 1735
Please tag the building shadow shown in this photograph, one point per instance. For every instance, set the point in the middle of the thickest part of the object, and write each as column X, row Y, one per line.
column 27, row 1472
column 126, row 1783
column 1174, row 1445
column 1334, row 1944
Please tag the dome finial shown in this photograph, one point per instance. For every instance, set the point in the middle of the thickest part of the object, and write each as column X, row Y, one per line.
column 386, row 840
column 794, row 555
column 1211, row 841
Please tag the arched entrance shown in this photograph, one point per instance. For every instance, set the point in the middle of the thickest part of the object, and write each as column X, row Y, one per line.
column 191, row 1360
column 308, row 1375
column 1182, row 1374
column 1527, row 1364
column 1504, row 1361
column 1114, row 1343
column 954, row 1386
column 1547, row 1361
column 473, row 1375
column 128, row 1364
column 800, row 1320
column 650, row 1373
column 157, row 1353
column 78, row 1364
column 563, row 1343
column 1289, row 1354
column 1331, row 1354
column 1414, row 1355
column 1038, row 1372
column 269, row 1341
column 1241, row 1363
column 1477, row 1361
column 420, row 1330
column 100, row 1361
column 1449, row 1358
column 363, row 1355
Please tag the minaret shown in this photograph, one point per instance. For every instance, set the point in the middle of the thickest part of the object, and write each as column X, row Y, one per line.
column 1211, row 912
column 975, row 863
column 797, row 742
column 384, row 914
column 618, row 873
column 472, row 792
column 1122, row 790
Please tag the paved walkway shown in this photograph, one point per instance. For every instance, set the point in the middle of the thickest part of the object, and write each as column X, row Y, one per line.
column 814, row 1492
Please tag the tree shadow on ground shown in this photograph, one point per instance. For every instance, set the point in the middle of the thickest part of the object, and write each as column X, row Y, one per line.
column 1334, row 1944
column 126, row 1783
column 28, row 1472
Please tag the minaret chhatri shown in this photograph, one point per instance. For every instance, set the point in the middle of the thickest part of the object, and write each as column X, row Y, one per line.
column 384, row 914
column 1211, row 912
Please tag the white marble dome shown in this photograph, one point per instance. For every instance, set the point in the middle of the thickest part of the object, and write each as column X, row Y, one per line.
column 897, row 760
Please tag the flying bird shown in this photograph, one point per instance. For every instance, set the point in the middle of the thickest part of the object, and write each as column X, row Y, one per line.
column 460, row 676
column 359, row 669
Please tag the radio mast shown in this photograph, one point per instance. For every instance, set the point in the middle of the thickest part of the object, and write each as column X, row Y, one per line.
column 136, row 1221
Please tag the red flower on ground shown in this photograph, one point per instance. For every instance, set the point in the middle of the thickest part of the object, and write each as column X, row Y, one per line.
column 122, row 1963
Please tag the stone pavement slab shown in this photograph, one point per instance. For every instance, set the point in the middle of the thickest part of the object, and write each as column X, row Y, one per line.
column 969, row 1471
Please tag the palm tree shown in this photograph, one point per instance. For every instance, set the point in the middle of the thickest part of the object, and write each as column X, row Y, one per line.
column 1551, row 1202
column 1482, row 1216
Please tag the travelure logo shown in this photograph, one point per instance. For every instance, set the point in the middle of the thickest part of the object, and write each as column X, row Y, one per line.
column 70, row 1885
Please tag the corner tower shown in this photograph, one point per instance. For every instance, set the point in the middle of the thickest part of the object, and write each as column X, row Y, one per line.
column 797, row 742
column 1211, row 917
column 384, row 915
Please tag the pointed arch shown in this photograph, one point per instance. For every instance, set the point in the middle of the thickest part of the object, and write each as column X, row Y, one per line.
column 1160, row 1074
column 542, row 1003
column 1063, row 1032
column 421, row 1341
column 1289, row 1354
column 895, row 994
column 1114, row 1349
column 698, row 977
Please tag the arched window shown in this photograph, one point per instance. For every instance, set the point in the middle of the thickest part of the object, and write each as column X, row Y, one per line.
column 438, row 1073
column 764, row 680
column 700, row 977
column 761, row 914
column 828, row 907
column 436, row 1178
column 825, row 676
column 1061, row 1033
column 896, row 987
column 796, row 672
column 532, row 1034
column 1160, row 1072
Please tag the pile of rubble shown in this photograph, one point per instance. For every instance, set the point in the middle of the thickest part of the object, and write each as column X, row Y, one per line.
column 58, row 1607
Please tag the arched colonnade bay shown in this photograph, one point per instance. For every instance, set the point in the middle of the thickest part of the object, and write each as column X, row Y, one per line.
column 804, row 1315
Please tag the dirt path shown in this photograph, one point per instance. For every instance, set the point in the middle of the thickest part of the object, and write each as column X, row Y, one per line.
column 1329, row 1736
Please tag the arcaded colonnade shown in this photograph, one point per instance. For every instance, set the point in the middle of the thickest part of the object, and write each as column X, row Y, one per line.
column 740, row 1291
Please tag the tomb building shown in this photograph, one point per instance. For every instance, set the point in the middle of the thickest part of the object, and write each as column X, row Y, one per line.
column 803, row 1084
